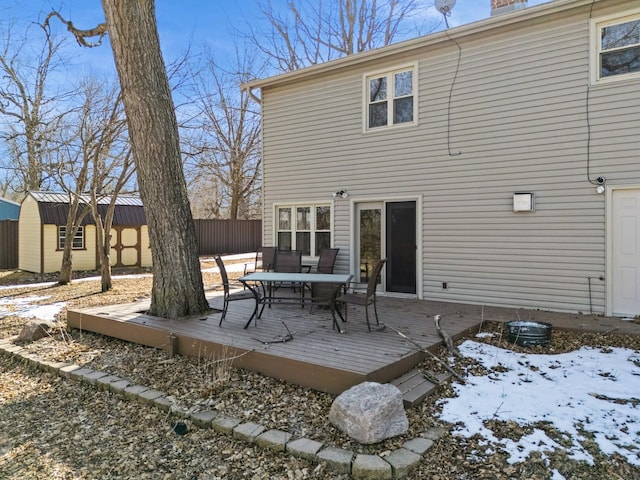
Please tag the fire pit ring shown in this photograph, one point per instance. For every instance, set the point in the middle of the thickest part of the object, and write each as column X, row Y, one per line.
column 528, row 333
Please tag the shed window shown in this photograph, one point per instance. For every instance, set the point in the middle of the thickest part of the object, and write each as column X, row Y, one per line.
column 617, row 45
column 78, row 239
column 304, row 227
column 390, row 98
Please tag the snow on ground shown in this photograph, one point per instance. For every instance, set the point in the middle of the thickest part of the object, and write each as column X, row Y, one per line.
column 588, row 390
column 25, row 307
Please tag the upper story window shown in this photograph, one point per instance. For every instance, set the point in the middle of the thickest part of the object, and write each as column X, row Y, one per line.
column 390, row 98
column 617, row 48
column 78, row 239
column 304, row 227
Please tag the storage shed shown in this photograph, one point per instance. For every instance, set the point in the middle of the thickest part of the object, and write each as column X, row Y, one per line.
column 42, row 229
column 9, row 210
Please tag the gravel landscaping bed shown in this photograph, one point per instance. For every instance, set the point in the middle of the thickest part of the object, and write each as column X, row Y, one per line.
column 54, row 427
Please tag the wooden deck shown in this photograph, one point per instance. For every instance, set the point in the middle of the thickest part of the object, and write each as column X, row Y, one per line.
column 317, row 356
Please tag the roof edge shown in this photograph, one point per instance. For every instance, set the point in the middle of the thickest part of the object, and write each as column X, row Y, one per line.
column 17, row 204
column 61, row 197
column 461, row 31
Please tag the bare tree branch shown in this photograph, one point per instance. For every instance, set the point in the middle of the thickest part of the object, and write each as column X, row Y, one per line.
column 316, row 31
column 34, row 114
column 80, row 35
column 226, row 154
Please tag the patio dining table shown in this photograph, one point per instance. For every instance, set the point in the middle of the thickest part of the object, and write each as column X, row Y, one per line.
column 259, row 284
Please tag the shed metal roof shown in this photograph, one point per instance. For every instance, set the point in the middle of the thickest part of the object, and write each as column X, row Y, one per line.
column 56, row 197
column 54, row 209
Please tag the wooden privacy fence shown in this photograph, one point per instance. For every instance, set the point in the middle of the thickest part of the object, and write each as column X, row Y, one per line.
column 228, row 236
column 9, row 244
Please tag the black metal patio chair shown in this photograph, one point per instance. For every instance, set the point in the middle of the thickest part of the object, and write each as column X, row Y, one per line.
column 327, row 260
column 265, row 260
column 268, row 259
column 228, row 295
column 321, row 293
column 364, row 299
column 287, row 261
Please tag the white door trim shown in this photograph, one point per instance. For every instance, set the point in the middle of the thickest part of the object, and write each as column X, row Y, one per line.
column 609, row 243
column 355, row 201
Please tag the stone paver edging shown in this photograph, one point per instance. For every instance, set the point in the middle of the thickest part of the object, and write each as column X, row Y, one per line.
column 397, row 464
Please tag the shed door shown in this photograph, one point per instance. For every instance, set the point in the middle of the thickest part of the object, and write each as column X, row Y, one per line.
column 125, row 246
column 626, row 253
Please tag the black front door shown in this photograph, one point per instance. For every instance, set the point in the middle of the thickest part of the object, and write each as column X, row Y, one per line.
column 401, row 247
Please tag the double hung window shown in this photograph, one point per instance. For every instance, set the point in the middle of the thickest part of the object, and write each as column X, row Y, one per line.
column 617, row 48
column 78, row 239
column 304, row 227
column 390, row 98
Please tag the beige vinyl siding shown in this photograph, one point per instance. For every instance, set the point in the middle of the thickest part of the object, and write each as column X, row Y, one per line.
column 51, row 256
column 518, row 120
column 145, row 247
column 84, row 259
column 29, row 236
column 518, row 117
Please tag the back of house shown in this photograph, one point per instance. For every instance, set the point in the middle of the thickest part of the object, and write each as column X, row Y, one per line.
column 492, row 163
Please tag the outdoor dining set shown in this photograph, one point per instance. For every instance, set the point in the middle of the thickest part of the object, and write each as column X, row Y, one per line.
column 280, row 277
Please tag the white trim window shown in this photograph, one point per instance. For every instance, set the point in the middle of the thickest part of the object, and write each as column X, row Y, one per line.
column 303, row 227
column 617, row 48
column 78, row 239
column 390, row 98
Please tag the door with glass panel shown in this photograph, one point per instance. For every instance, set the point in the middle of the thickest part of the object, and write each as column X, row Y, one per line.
column 369, row 238
column 388, row 230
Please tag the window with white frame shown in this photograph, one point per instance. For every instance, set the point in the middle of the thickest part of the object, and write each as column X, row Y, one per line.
column 617, row 48
column 78, row 239
column 390, row 98
column 304, row 227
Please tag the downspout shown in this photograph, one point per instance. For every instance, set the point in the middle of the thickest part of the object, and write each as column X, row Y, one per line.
column 253, row 96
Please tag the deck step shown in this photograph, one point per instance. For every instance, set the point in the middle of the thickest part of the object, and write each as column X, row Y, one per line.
column 415, row 386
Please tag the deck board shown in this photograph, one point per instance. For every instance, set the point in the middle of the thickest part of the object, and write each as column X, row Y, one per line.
column 318, row 357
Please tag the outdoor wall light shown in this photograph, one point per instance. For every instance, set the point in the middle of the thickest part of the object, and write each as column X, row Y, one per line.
column 600, row 189
column 341, row 193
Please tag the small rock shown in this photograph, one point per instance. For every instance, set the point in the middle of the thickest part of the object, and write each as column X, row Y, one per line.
column 31, row 332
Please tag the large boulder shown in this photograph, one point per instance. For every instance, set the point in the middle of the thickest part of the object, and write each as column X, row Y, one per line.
column 370, row 412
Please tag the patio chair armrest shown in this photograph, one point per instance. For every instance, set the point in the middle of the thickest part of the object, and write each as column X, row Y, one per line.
column 355, row 287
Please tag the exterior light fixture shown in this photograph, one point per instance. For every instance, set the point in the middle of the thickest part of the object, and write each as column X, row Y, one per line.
column 341, row 193
column 600, row 189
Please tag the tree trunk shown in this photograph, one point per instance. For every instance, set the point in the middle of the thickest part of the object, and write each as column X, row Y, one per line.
column 177, row 279
column 73, row 222
column 106, row 283
column 103, row 239
column 66, row 268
